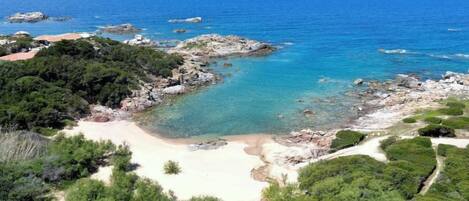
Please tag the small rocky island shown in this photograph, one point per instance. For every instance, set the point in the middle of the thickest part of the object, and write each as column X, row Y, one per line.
column 30, row 17
column 188, row 20
column 120, row 29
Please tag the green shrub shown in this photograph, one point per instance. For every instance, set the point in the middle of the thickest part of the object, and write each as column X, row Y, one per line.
column 121, row 158
column 409, row 120
column 147, row 190
column 86, row 189
column 452, row 111
column 388, row 141
column 434, row 130
column 346, row 138
column 433, row 120
column 456, row 104
column 171, row 167
column 443, row 149
column 457, row 122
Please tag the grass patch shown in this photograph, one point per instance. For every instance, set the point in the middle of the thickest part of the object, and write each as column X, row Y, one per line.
column 346, row 138
column 409, row 120
column 434, row 130
column 433, row 120
column 457, row 122
column 451, row 111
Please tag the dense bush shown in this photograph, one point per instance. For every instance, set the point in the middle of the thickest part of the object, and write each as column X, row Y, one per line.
column 409, row 120
column 457, row 122
column 434, row 130
column 346, row 138
column 433, row 120
column 86, row 189
column 61, row 81
column 121, row 158
column 388, row 141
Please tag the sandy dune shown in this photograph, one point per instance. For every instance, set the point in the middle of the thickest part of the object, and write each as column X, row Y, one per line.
column 224, row 173
column 19, row 56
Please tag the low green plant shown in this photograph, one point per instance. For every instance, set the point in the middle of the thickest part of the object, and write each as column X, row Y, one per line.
column 409, row 120
column 457, row 122
column 434, row 130
column 433, row 120
column 451, row 111
column 456, row 104
column 388, row 141
column 346, row 138
column 171, row 167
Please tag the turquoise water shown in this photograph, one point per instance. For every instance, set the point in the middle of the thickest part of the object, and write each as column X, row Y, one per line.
column 336, row 41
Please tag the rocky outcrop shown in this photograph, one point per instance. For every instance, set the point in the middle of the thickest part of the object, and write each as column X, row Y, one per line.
column 188, row 20
column 408, row 81
column 120, row 29
column 214, row 45
column 139, row 40
column 101, row 113
column 30, row 17
column 174, row 90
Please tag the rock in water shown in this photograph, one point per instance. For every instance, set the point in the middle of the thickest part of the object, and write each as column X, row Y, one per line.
column 120, row 29
column 358, row 82
column 30, row 17
column 188, row 20
column 180, row 31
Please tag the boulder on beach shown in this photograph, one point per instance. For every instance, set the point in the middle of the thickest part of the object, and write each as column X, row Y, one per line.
column 29, row 17
column 358, row 82
column 120, row 29
column 188, row 20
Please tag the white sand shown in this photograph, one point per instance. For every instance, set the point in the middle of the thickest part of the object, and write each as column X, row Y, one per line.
column 224, row 173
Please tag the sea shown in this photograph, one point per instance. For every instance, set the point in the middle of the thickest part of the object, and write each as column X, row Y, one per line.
column 323, row 47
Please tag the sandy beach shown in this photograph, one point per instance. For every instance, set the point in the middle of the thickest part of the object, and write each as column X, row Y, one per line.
column 224, row 172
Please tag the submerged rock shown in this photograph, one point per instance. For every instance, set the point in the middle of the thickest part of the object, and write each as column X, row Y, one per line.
column 120, row 29
column 30, row 17
column 208, row 145
column 180, row 31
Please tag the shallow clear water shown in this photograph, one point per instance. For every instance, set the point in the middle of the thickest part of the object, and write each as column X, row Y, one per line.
column 333, row 40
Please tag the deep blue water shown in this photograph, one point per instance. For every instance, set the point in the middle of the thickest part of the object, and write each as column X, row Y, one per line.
column 334, row 40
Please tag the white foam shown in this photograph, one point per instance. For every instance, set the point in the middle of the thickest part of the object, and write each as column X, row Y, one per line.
column 393, row 51
column 465, row 56
column 454, row 30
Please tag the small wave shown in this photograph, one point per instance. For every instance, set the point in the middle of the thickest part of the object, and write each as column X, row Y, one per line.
column 394, row 51
column 454, row 30
column 288, row 43
column 439, row 56
column 465, row 56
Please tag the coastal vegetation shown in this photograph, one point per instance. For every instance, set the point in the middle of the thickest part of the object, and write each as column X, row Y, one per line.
column 434, row 130
column 59, row 84
column 452, row 184
column 15, row 44
column 360, row 177
column 346, row 138
column 409, row 120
